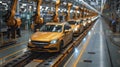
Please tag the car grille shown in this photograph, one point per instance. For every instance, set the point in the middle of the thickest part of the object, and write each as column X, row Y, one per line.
column 39, row 43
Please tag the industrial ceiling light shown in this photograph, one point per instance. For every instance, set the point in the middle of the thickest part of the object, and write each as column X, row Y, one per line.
column 74, row 6
column 0, row 1
column 54, row 0
column 40, row 7
column 52, row 9
column 6, row 8
column 22, row 7
column 78, row 12
column 24, row 4
column 64, row 3
column 46, row 8
column 4, row 4
column 65, row 10
column 30, row 7
column 34, row 8
column 59, row 9
column 71, row 11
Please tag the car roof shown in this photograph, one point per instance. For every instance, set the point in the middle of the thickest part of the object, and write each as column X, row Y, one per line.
column 71, row 20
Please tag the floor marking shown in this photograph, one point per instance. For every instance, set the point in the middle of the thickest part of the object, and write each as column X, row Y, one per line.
column 101, row 45
column 81, row 49
column 68, row 60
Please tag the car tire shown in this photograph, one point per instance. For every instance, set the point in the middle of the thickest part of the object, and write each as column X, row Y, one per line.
column 61, row 46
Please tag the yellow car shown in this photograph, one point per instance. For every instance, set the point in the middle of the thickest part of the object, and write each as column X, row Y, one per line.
column 85, row 24
column 89, row 22
column 77, row 27
column 52, row 37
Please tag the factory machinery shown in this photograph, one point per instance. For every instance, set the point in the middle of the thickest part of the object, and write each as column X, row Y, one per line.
column 56, row 58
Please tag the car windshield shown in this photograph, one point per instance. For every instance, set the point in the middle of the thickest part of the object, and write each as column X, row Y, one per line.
column 51, row 28
column 72, row 22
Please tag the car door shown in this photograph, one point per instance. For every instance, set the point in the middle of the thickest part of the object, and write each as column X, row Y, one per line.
column 68, row 34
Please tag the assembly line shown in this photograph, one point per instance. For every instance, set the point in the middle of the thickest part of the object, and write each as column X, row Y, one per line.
column 56, row 33
column 52, row 36
column 41, row 57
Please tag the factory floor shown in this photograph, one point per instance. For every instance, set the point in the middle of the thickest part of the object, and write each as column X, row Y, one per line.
column 100, row 48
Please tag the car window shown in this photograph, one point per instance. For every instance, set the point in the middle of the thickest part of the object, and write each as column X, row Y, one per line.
column 67, row 27
column 81, row 21
column 71, row 22
column 77, row 23
column 51, row 28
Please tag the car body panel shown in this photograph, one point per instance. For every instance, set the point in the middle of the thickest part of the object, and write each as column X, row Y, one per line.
column 41, row 41
column 77, row 27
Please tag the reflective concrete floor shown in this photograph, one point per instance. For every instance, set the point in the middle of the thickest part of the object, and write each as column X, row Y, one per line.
column 96, row 49
column 15, row 50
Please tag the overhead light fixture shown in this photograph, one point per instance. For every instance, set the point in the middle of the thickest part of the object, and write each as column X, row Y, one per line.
column 71, row 11
column 22, row 7
column 78, row 12
column 59, row 9
column 30, row 7
column 40, row 7
column 0, row 1
column 24, row 4
column 65, row 10
column 54, row 0
column 6, row 8
column 34, row 8
column 46, row 8
column 4, row 3
column 74, row 6
column 64, row 3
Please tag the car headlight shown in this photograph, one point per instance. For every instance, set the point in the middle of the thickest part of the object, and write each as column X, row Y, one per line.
column 89, row 21
column 54, row 41
column 29, row 40
column 84, row 24
column 76, row 29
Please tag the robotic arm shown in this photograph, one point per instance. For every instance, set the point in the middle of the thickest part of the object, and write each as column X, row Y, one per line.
column 76, row 9
column 69, row 7
column 56, row 19
column 38, row 19
column 10, row 19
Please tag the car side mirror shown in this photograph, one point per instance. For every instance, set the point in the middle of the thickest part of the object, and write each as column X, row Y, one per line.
column 66, row 31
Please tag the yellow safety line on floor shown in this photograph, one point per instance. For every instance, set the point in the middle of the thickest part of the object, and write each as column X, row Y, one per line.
column 82, row 51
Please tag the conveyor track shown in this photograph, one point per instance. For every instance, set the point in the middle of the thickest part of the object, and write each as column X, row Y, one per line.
column 48, row 59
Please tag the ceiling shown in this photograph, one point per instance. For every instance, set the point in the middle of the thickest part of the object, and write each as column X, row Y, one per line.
column 96, row 5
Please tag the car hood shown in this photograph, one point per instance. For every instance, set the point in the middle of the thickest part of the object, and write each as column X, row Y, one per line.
column 45, row 36
column 74, row 26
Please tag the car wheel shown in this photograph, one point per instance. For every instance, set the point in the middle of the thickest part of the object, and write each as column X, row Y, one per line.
column 72, row 39
column 61, row 46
